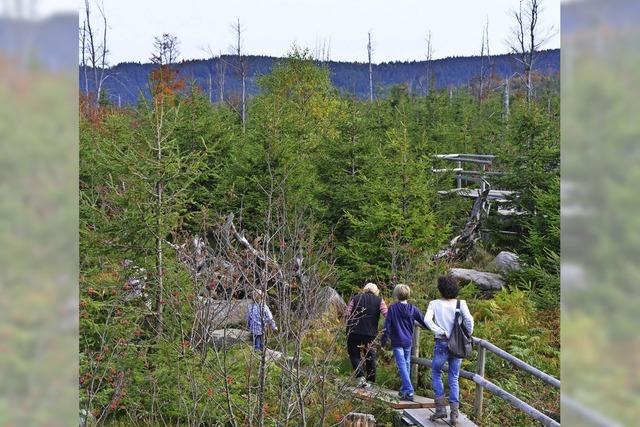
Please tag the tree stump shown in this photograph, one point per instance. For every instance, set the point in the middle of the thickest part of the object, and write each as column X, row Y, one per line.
column 356, row 419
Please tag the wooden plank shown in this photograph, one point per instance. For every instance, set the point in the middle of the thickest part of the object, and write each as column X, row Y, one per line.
column 390, row 397
column 447, row 170
column 464, row 421
column 461, row 171
column 509, row 212
column 480, row 156
column 421, row 418
column 488, row 230
column 408, row 421
column 472, row 158
column 498, row 196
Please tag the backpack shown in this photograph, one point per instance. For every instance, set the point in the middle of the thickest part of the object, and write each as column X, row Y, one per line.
column 459, row 343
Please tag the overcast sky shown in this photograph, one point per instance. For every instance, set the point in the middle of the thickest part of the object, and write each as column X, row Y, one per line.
column 399, row 27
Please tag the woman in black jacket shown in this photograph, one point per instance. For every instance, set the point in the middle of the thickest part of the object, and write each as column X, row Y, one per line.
column 363, row 315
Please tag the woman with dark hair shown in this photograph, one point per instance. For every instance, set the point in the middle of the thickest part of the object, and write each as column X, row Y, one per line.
column 440, row 317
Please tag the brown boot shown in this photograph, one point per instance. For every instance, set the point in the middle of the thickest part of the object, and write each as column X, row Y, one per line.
column 453, row 416
column 441, row 409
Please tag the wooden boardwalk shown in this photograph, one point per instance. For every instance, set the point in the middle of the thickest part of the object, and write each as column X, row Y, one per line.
column 390, row 398
column 420, row 417
column 498, row 196
column 414, row 413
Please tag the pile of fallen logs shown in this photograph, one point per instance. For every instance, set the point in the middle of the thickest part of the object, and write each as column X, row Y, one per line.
column 226, row 271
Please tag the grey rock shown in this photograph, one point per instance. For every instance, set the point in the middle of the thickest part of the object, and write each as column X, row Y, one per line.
column 333, row 299
column 224, row 313
column 229, row 337
column 329, row 304
column 506, row 261
column 484, row 281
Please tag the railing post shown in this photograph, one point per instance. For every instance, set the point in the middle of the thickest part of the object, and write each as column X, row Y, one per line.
column 477, row 401
column 415, row 352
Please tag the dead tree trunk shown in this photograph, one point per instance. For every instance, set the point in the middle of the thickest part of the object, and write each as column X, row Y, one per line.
column 222, row 68
column 83, row 54
column 428, row 66
column 369, row 52
column 159, row 226
column 97, row 53
column 485, row 61
column 505, row 100
column 166, row 52
column 527, row 39
column 242, row 71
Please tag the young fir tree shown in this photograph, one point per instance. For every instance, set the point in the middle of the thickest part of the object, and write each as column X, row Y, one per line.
column 396, row 228
column 290, row 121
column 138, row 178
column 343, row 167
column 209, row 132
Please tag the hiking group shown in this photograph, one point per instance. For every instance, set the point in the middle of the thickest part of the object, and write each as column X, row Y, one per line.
column 363, row 315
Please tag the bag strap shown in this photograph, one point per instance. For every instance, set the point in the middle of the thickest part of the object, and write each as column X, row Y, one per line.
column 459, row 315
column 356, row 303
column 455, row 319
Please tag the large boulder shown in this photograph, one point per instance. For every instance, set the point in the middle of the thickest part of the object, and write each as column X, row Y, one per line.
column 229, row 337
column 506, row 261
column 218, row 314
column 484, row 281
column 330, row 305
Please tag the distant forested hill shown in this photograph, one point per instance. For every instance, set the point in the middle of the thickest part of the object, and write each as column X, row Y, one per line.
column 128, row 80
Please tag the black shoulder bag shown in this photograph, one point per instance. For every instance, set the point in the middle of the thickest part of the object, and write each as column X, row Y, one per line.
column 459, row 344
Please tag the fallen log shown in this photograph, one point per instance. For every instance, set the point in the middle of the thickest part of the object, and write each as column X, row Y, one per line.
column 483, row 280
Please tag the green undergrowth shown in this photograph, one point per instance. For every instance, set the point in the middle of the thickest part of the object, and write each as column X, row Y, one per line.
column 351, row 189
column 510, row 320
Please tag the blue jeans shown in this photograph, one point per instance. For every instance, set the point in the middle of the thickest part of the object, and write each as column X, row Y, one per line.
column 403, row 360
column 258, row 342
column 440, row 356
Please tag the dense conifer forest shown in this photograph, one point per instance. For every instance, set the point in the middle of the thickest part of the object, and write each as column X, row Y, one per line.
column 328, row 191
column 129, row 80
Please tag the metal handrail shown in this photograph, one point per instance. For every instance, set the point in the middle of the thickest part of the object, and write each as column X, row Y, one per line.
column 482, row 383
column 500, row 392
column 517, row 362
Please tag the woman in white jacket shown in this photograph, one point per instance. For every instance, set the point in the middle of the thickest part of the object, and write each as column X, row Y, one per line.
column 440, row 317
